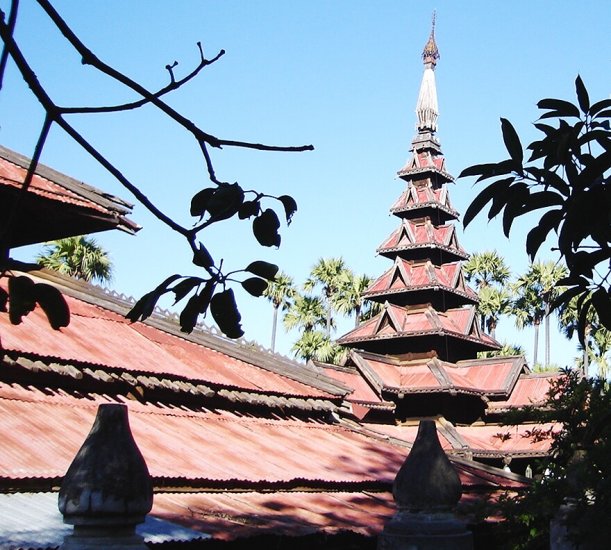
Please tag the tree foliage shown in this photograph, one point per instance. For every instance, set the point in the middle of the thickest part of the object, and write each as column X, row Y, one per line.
column 80, row 257
column 209, row 288
column 577, row 472
column 565, row 180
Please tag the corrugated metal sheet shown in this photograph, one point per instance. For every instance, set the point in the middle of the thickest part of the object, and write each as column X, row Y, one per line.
column 42, row 436
column 32, row 521
column 100, row 337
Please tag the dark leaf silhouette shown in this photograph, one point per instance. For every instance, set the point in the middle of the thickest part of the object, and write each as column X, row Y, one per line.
column 54, row 305
column 255, row 286
column 225, row 312
column 265, row 228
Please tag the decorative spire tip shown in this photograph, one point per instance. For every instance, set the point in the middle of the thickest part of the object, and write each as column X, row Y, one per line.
column 430, row 55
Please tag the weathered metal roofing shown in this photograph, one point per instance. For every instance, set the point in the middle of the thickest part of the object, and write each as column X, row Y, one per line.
column 396, row 322
column 98, row 337
column 78, row 208
column 483, row 441
column 31, row 521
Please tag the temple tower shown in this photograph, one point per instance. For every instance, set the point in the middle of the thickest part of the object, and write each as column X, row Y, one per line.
column 427, row 307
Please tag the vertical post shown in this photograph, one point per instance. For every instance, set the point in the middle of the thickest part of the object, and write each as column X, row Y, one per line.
column 107, row 489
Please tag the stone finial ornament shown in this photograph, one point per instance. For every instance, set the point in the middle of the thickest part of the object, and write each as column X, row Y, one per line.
column 427, row 481
column 426, row 490
column 107, row 489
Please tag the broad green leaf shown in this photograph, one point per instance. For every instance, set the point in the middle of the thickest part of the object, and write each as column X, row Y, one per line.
column 185, row 286
column 484, row 198
column 290, row 207
column 582, row 95
column 515, row 204
column 225, row 202
column 263, row 269
column 21, row 298
column 265, row 228
column 196, row 305
column 537, row 235
column 563, row 108
column 599, row 106
column 202, row 258
column 249, row 209
column 145, row 306
column 602, row 304
column 254, row 286
column 512, row 141
column 478, row 169
column 199, row 202
column 52, row 302
column 225, row 312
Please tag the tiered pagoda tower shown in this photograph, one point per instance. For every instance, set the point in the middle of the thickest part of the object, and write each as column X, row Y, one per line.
column 427, row 307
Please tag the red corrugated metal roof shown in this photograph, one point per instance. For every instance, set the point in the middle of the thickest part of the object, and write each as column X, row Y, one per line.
column 100, row 337
column 41, row 435
column 12, row 175
column 493, row 440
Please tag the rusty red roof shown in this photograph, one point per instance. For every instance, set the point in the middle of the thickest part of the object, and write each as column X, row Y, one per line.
column 410, row 276
column 99, row 337
column 61, row 205
column 417, row 234
column 483, row 441
column 413, row 321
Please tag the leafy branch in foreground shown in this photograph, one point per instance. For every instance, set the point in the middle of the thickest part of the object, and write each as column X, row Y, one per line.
column 211, row 205
column 567, row 179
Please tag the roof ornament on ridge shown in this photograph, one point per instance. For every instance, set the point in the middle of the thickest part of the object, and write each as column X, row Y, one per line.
column 426, row 108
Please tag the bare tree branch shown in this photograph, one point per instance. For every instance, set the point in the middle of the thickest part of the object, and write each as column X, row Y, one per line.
column 174, row 85
column 12, row 18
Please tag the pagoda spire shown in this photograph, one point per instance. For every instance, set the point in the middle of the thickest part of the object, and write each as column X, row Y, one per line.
column 426, row 108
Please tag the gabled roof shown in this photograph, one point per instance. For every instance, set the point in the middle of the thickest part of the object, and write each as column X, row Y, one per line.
column 421, row 197
column 422, row 234
column 425, row 161
column 412, row 276
column 425, row 373
column 412, row 323
column 61, row 205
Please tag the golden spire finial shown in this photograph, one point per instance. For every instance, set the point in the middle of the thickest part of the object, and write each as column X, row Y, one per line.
column 431, row 53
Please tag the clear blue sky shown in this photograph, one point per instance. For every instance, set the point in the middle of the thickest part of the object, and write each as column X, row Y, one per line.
column 342, row 75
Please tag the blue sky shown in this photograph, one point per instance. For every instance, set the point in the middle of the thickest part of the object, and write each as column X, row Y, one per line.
column 342, row 75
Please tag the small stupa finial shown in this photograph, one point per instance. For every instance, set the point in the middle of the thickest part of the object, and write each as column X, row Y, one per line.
column 431, row 53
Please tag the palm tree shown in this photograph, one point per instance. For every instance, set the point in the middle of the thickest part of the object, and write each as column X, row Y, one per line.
column 536, row 290
column 315, row 344
column 597, row 342
column 506, row 350
column 79, row 257
column 349, row 299
column 279, row 292
column 493, row 302
column 486, row 268
column 305, row 312
column 327, row 274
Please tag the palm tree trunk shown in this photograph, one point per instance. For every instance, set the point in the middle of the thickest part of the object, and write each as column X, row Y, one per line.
column 536, row 325
column 274, row 327
column 357, row 314
column 547, row 343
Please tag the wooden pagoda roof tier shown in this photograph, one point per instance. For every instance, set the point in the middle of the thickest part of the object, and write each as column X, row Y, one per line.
column 60, row 205
column 420, row 201
column 416, row 282
column 421, row 239
column 453, row 334
column 426, row 162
